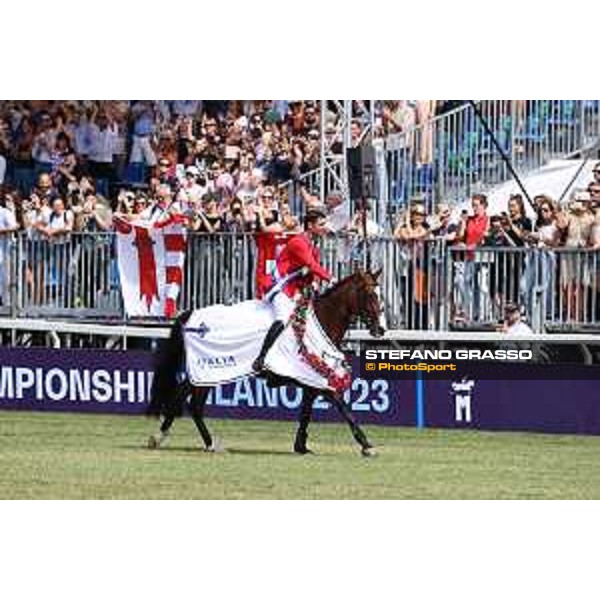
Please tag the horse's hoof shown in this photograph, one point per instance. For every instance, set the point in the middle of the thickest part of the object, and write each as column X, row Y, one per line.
column 369, row 452
column 303, row 451
column 216, row 447
column 153, row 442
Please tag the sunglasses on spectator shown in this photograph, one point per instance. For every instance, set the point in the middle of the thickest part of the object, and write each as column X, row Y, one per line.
column 164, row 164
column 268, row 196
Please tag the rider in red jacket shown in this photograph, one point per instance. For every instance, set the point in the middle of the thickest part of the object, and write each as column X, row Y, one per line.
column 297, row 266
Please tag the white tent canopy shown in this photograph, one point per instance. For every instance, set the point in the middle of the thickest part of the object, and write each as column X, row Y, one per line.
column 551, row 180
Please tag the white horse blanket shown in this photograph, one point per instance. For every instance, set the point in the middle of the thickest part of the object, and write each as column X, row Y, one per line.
column 222, row 342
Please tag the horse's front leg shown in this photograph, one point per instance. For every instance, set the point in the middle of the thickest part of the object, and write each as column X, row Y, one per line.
column 305, row 415
column 197, row 404
column 358, row 434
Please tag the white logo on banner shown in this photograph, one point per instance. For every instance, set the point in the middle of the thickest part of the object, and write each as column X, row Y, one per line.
column 463, row 392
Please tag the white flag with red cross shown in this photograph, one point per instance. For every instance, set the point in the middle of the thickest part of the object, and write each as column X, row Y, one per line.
column 150, row 257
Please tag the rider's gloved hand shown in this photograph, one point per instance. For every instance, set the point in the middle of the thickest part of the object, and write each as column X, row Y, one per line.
column 304, row 271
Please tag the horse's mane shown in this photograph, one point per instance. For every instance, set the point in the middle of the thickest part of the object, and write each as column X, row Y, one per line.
column 336, row 287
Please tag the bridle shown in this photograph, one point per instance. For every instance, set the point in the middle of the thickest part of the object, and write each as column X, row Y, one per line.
column 368, row 309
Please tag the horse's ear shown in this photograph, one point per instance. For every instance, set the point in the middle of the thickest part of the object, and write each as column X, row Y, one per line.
column 377, row 273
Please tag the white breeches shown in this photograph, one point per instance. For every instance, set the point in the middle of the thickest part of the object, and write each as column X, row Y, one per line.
column 283, row 307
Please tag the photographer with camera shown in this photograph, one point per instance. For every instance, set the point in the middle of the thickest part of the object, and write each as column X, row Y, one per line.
column 268, row 217
column 90, row 216
column 206, row 218
column 234, row 220
column 504, row 270
column 513, row 324
column 92, row 253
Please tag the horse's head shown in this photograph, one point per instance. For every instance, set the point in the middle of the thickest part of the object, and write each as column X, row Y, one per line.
column 368, row 305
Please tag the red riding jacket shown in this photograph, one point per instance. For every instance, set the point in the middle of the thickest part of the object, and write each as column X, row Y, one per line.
column 300, row 252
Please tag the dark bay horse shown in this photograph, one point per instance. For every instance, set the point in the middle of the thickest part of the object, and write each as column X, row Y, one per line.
column 353, row 298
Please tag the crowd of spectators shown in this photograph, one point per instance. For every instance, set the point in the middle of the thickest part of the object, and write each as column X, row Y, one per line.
column 220, row 162
column 206, row 158
column 575, row 224
column 484, row 277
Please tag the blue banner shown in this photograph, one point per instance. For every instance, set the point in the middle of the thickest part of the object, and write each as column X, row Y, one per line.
column 102, row 381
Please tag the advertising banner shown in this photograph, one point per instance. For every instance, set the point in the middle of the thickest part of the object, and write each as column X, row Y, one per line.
column 114, row 382
column 102, row 381
column 567, row 406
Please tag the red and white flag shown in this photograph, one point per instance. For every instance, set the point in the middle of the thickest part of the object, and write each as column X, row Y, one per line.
column 268, row 246
column 150, row 258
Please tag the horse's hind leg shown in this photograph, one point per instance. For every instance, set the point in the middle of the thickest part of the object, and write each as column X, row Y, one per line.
column 156, row 440
column 199, row 396
column 357, row 432
column 305, row 414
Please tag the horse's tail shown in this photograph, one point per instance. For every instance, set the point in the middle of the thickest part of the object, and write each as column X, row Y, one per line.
column 164, row 397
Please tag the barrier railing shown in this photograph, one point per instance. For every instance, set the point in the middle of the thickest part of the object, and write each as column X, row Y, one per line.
column 424, row 286
column 74, row 275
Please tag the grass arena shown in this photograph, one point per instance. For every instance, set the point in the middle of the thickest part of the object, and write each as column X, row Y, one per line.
column 57, row 455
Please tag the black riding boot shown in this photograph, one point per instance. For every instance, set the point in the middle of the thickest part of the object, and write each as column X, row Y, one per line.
column 274, row 332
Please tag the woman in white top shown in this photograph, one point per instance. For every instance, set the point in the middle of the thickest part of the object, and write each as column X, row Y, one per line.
column 60, row 222
column 58, row 232
column 541, row 269
column 35, row 220
column 547, row 233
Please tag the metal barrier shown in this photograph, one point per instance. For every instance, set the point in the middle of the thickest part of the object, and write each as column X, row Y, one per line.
column 424, row 286
column 8, row 260
column 576, row 287
column 219, row 269
column 76, row 275
column 557, row 288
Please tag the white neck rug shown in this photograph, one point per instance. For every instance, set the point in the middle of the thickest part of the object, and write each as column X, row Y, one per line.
column 222, row 342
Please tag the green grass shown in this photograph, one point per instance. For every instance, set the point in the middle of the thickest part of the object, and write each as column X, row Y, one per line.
column 52, row 455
